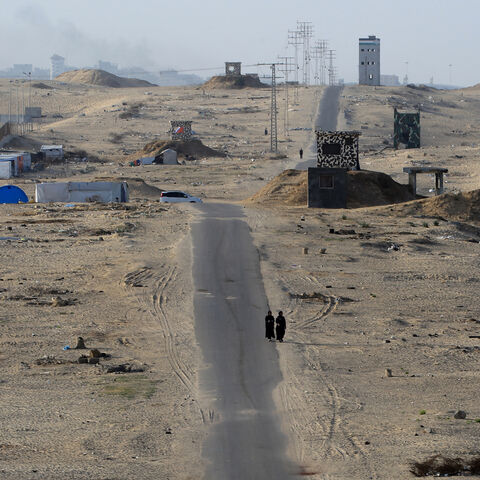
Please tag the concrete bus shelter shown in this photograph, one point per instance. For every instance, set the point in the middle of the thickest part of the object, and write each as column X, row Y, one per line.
column 412, row 177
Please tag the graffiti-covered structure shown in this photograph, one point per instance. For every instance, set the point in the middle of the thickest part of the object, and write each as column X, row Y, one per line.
column 181, row 129
column 233, row 68
column 337, row 150
column 406, row 130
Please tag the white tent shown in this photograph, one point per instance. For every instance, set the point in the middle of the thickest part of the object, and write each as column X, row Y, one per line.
column 169, row 157
column 81, row 192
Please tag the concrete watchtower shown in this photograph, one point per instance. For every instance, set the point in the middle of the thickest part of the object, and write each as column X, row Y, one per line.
column 369, row 61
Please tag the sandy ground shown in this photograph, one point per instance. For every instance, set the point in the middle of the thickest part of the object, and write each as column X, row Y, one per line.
column 126, row 275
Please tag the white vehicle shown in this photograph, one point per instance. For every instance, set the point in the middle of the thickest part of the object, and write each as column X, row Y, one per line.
column 175, row 196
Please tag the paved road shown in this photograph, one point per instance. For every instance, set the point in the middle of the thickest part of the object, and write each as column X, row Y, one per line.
column 326, row 120
column 245, row 441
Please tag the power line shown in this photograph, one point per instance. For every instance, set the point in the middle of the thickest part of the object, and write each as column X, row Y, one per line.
column 295, row 39
column 287, row 67
column 306, row 32
column 332, row 71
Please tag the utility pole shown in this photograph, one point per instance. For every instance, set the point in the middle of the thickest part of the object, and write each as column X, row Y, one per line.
column 306, row 33
column 286, row 67
column 295, row 39
column 450, row 73
column 323, row 47
column 29, row 76
column 332, row 80
column 318, row 54
column 273, row 108
column 273, row 113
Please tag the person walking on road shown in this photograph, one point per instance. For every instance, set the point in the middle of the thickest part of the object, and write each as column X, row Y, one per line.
column 281, row 326
column 301, row 153
column 269, row 326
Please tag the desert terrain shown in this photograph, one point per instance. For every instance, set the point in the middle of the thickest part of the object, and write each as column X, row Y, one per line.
column 385, row 287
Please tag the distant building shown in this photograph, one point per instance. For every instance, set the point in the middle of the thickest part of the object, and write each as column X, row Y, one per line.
column 41, row 73
column 389, row 80
column 21, row 69
column 57, row 66
column 369, row 61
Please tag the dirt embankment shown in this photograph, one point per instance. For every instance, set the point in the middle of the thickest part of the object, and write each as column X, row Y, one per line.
column 101, row 78
column 365, row 189
column 234, row 82
column 463, row 207
column 194, row 148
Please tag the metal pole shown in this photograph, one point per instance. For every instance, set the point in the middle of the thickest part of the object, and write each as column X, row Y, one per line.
column 286, row 68
column 273, row 115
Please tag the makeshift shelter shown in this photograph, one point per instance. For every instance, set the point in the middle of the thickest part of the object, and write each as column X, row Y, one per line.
column 6, row 169
column 12, row 194
column 327, row 188
column 167, row 157
column 337, row 150
column 52, row 152
column 406, row 129
column 181, row 129
column 104, row 192
column 19, row 161
column 147, row 160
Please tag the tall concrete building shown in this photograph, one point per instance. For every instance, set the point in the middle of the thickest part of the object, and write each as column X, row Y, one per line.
column 57, row 66
column 369, row 61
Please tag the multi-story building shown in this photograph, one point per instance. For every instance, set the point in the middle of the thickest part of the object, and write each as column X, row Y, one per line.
column 57, row 66
column 369, row 61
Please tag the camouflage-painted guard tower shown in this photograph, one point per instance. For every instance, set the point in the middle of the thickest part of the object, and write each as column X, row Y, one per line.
column 181, row 129
column 406, row 129
column 337, row 150
column 233, row 69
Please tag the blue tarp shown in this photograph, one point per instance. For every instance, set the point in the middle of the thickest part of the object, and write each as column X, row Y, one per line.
column 12, row 194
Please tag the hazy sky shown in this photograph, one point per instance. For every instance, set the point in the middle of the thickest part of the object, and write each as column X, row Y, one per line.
column 188, row 34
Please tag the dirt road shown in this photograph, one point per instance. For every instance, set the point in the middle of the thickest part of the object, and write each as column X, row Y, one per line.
column 326, row 120
column 242, row 367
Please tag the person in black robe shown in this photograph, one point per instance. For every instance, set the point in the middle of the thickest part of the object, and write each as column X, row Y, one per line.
column 269, row 326
column 281, row 326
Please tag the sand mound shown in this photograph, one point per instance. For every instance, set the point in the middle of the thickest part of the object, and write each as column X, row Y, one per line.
column 101, row 78
column 194, row 148
column 474, row 87
column 464, row 207
column 137, row 187
column 288, row 188
column 234, row 81
column 365, row 189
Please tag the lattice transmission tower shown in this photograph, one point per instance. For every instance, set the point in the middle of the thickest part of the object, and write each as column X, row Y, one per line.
column 306, row 32
column 273, row 108
column 332, row 71
column 295, row 39
column 286, row 67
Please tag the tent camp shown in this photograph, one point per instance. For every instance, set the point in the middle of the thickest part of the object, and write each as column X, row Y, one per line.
column 104, row 192
column 12, row 194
